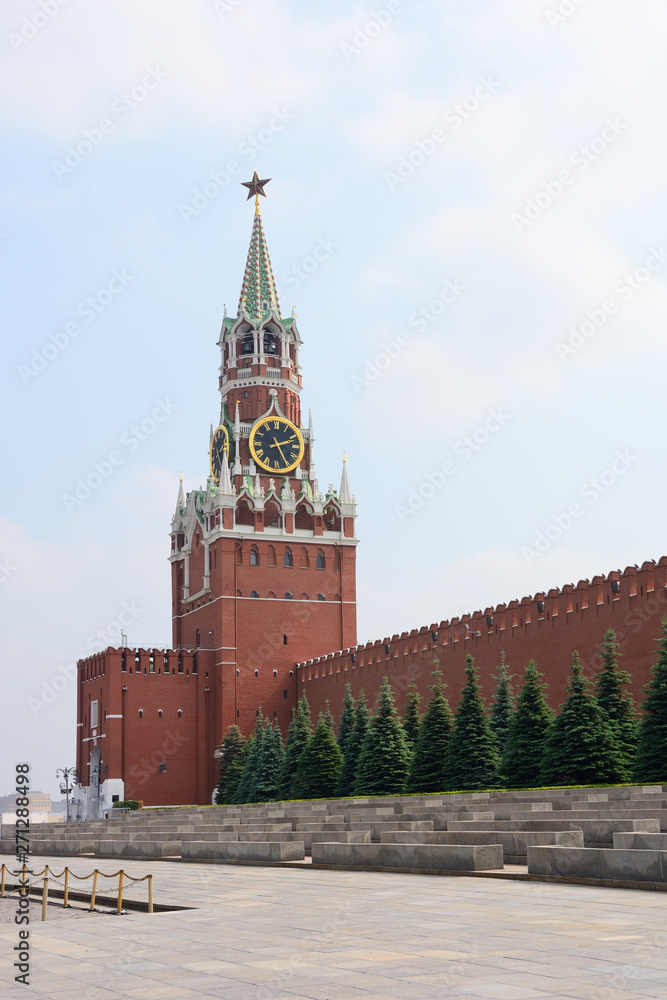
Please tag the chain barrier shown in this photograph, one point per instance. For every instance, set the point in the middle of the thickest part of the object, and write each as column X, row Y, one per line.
column 45, row 877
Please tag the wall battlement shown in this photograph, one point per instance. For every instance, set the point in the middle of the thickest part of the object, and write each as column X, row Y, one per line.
column 547, row 626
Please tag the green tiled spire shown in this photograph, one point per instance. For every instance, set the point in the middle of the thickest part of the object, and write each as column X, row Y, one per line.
column 258, row 292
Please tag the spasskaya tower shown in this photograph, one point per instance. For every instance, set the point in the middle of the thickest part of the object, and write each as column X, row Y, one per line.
column 262, row 559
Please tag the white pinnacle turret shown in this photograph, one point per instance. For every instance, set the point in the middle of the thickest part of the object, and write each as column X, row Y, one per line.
column 311, row 452
column 345, row 493
column 180, row 501
column 237, row 443
column 225, row 484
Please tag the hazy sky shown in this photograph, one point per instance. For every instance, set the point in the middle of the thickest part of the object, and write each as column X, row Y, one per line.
column 468, row 212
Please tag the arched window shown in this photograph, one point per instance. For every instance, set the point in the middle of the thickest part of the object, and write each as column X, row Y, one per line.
column 248, row 343
column 303, row 518
column 270, row 343
column 331, row 518
column 159, row 713
column 254, row 556
column 197, row 639
column 305, row 558
column 271, row 593
column 272, row 517
column 288, row 596
column 288, row 561
column 243, row 513
column 321, row 597
column 321, row 563
column 304, row 597
column 180, row 712
column 271, row 556
column 254, row 593
column 141, row 713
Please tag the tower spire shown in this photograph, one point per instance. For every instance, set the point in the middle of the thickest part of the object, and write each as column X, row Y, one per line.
column 345, row 493
column 258, row 292
column 180, row 500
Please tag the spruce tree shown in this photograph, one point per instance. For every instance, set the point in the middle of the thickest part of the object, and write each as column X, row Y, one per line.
column 529, row 728
column 650, row 764
column 346, row 724
column 298, row 734
column 580, row 749
column 247, row 787
column 616, row 703
column 472, row 756
column 411, row 716
column 236, row 770
column 353, row 748
column 502, row 708
column 230, row 748
column 427, row 769
column 269, row 764
column 320, row 764
column 327, row 716
column 382, row 767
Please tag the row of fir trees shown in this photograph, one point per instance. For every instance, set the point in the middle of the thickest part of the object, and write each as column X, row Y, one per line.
column 596, row 738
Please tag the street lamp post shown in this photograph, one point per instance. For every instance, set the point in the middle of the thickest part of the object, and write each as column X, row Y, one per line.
column 67, row 773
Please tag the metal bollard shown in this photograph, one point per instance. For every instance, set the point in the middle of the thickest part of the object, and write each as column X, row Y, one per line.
column 45, row 892
column 2, row 882
column 119, row 905
column 94, row 892
column 150, row 893
column 66, row 890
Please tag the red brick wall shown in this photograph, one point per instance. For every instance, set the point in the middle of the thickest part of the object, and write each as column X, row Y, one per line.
column 574, row 618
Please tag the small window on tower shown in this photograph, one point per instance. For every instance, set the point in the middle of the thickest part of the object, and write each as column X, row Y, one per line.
column 245, row 394
column 287, row 561
column 254, row 593
column 320, row 560
column 254, row 557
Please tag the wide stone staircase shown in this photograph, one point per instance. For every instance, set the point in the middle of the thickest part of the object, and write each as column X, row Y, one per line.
column 616, row 833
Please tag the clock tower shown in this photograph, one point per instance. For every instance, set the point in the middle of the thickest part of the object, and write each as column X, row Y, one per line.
column 262, row 559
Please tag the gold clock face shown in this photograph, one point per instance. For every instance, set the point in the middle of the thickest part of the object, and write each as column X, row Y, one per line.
column 219, row 451
column 276, row 444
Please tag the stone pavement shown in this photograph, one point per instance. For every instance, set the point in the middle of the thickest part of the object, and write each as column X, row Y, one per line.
column 263, row 933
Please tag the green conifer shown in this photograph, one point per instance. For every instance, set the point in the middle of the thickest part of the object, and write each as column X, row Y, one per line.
column 230, row 748
column 382, row 768
column 502, row 707
column 472, row 756
column 236, row 770
column 346, row 724
column 412, row 717
column 427, row 769
column 580, row 749
column 650, row 765
column 320, row 764
column 327, row 716
column 247, row 787
column 269, row 764
column 353, row 748
column 617, row 703
column 529, row 728
column 298, row 734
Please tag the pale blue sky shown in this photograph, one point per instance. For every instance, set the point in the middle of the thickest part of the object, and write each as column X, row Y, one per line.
column 340, row 106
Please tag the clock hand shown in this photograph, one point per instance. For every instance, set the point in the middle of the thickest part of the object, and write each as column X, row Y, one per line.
column 280, row 450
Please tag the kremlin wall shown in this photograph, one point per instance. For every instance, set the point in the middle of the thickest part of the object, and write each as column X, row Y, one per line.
column 547, row 627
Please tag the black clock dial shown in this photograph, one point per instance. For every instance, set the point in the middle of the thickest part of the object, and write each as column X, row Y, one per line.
column 276, row 444
column 219, row 451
